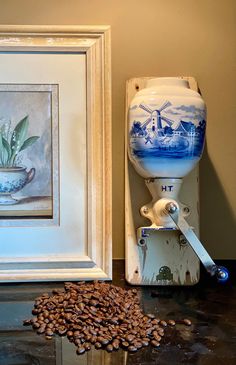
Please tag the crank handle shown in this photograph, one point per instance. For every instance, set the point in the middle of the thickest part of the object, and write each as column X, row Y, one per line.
column 220, row 272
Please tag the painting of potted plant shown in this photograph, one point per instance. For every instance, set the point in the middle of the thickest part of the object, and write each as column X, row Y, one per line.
column 13, row 143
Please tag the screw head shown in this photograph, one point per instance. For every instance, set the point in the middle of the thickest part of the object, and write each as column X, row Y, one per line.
column 171, row 208
column 145, row 210
column 186, row 210
column 142, row 242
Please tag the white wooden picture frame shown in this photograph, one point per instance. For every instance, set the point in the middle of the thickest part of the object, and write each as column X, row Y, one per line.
column 75, row 242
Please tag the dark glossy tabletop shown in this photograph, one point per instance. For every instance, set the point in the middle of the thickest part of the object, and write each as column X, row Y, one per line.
column 210, row 340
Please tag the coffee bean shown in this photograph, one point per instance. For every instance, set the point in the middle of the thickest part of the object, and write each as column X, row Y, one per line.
column 138, row 344
column 187, row 322
column 132, row 348
column 70, row 333
column 45, row 314
column 48, row 337
column 80, row 350
column 50, row 325
column 94, row 302
column 93, row 339
column 109, row 348
column 98, row 345
column 87, row 296
column 68, row 316
column 142, row 333
column 163, row 323
column 103, row 341
column 87, row 346
column 116, row 344
column 36, row 325
column 49, row 332
column 62, row 331
column 83, row 317
column 125, row 344
column 88, row 337
column 77, row 342
column 77, row 334
column 27, row 322
column 171, row 322
column 129, row 338
column 155, row 343
column 150, row 315
column 145, row 343
column 41, row 330
column 157, row 337
column 107, row 337
column 81, row 306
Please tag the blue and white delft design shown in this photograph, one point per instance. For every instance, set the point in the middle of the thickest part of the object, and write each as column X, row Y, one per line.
column 166, row 135
column 12, row 180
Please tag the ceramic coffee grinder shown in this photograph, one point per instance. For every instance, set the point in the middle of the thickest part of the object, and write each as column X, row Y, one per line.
column 165, row 140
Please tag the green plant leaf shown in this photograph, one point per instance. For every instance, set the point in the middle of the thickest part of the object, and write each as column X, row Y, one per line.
column 7, row 148
column 28, row 142
column 5, row 151
column 1, row 146
column 19, row 134
column 1, row 150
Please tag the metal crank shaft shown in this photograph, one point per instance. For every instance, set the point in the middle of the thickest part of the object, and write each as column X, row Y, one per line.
column 220, row 271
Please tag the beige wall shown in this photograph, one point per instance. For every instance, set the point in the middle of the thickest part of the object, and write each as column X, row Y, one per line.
column 165, row 38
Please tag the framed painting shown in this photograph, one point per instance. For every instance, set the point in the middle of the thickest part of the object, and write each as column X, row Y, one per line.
column 55, row 153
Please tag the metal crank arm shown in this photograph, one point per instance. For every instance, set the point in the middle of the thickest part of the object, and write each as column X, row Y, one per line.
column 220, row 272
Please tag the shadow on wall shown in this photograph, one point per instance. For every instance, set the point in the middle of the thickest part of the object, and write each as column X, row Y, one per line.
column 217, row 224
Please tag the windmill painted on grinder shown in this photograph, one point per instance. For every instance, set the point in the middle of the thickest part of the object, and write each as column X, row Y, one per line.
column 156, row 117
column 167, row 122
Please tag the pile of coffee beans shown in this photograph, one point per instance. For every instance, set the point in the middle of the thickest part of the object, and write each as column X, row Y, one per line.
column 99, row 314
